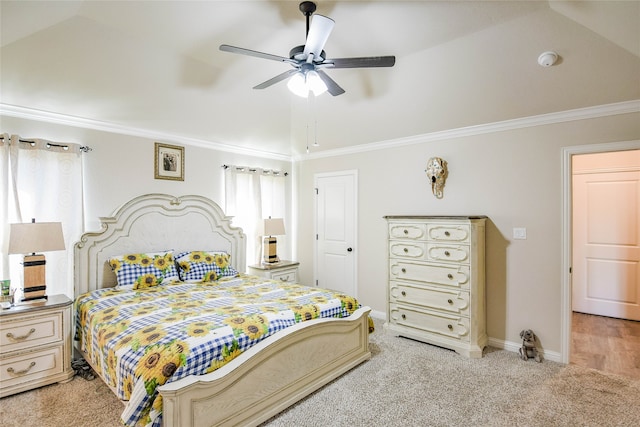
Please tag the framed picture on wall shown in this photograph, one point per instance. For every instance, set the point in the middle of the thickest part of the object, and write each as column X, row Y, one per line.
column 169, row 162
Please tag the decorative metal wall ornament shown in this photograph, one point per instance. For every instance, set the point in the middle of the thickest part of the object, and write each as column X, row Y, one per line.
column 437, row 173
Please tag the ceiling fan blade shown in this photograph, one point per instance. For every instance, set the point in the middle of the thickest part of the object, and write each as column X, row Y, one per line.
column 365, row 62
column 321, row 27
column 332, row 86
column 243, row 51
column 276, row 79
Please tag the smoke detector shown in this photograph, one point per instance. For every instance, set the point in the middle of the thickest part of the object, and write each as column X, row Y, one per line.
column 547, row 59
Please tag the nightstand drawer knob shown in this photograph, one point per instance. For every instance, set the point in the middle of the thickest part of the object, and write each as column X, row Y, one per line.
column 22, row 372
column 404, row 316
column 406, row 250
column 450, row 276
column 406, row 231
column 450, row 301
column 450, row 327
column 404, row 270
column 21, row 338
column 404, row 294
column 446, row 253
column 446, row 233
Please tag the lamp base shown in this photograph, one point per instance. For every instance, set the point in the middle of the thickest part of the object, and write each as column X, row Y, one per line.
column 270, row 252
column 34, row 277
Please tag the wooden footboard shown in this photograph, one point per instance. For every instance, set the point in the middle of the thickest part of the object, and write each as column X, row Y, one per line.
column 270, row 376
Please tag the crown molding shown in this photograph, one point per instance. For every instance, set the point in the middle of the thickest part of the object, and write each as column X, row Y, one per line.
column 626, row 107
column 521, row 123
column 62, row 119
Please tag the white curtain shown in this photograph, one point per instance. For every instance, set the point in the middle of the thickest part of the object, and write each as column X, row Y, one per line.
column 43, row 180
column 252, row 194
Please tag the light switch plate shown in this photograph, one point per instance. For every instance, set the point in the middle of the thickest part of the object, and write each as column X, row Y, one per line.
column 520, row 233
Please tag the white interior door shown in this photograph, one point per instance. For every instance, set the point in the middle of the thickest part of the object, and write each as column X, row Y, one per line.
column 335, row 266
column 606, row 234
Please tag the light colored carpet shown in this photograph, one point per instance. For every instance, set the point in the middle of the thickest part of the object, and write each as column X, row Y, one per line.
column 405, row 383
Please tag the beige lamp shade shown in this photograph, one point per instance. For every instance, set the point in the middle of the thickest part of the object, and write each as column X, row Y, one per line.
column 32, row 237
column 273, row 227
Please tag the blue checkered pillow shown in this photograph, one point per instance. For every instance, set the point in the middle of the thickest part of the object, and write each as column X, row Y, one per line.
column 204, row 266
column 144, row 270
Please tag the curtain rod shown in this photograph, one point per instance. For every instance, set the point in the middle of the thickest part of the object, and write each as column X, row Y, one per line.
column 83, row 148
column 248, row 169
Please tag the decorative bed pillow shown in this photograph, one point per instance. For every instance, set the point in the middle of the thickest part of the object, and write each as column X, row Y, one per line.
column 204, row 266
column 144, row 270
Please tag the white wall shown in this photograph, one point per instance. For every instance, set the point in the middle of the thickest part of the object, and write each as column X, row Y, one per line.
column 514, row 177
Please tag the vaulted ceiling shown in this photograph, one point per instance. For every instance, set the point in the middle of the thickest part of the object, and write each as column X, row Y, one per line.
column 155, row 66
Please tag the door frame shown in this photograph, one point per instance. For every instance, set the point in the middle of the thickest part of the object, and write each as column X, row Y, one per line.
column 567, row 224
column 354, row 174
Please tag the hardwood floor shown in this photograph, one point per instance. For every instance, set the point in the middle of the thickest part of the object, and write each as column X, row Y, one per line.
column 607, row 344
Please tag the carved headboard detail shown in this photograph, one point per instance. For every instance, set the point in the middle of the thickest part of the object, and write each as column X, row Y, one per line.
column 153, row 223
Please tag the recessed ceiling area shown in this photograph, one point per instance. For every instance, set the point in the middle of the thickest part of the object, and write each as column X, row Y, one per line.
column 156, row 66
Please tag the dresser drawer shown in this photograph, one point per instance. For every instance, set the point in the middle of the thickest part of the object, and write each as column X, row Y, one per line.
column 455, row 302
column 285, row 275
column 456, row 276
column 449, row 232
column 408, row 249
column 435, row 322
column 448, row 253
column 28, row 332
column 27, row 367
column 408, row 231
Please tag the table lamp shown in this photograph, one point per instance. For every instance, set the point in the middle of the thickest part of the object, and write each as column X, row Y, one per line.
column 29, row 238
column 272, row 227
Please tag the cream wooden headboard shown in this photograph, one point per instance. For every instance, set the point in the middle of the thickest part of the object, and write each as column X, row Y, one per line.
column 153, row 223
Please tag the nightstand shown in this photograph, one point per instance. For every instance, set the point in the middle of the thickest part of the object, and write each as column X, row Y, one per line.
column 35, row 344
column 287, row 271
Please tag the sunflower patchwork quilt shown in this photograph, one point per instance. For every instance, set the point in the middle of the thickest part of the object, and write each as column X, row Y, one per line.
column 139, row 339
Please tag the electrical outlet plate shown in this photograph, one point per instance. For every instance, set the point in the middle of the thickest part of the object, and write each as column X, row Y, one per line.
column 520, row 233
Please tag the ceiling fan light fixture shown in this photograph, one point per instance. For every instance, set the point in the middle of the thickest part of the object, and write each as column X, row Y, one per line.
column 315, row 83
column 298, row 86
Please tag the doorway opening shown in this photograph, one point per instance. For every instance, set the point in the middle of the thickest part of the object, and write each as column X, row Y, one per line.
column 567, row 225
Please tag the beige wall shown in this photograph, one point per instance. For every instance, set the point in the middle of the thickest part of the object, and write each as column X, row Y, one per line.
column 513, row 177
column 120, row 167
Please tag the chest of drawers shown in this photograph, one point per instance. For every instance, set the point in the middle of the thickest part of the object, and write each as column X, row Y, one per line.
column 436, row 291
column 35, row 345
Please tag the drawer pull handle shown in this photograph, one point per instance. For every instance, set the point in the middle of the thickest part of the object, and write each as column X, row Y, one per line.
column 24, row 371
column 450, row 276
column 404, row 294
column 450, row 327
column 21, row 338
column 406, row 231
column 404, row 317
column 450, row 301
column 446, row 233
column 406, row 250
column 284, row 279
column 404, row 270
column 446, row 253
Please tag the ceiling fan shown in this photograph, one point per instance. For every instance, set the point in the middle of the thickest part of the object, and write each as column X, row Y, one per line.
column 309, row 60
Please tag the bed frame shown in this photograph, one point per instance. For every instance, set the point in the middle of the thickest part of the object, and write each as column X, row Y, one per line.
column 263, row 380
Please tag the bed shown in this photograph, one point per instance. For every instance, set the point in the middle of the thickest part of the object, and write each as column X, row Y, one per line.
column 283, row 364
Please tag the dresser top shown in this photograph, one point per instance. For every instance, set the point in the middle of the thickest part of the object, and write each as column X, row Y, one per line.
column 435, row 217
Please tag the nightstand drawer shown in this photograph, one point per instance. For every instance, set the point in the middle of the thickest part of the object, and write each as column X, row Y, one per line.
column 30, row 332
column 31, row 366
column 286, row 275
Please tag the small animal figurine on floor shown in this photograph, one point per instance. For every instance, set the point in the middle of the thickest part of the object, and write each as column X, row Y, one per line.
column 529, row 348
